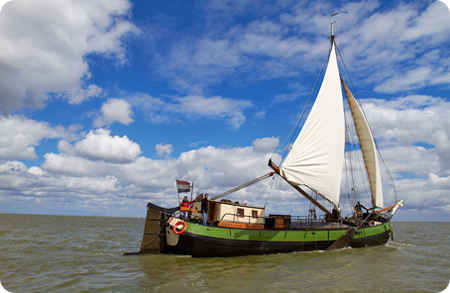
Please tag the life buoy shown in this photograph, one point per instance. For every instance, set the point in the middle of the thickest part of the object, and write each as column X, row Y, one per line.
column 371, row 223
column 182, row 230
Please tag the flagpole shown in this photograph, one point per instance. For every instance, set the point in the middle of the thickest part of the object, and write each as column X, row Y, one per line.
column 176, row 185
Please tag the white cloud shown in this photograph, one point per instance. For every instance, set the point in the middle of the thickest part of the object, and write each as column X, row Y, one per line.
column 44, row 44
column 437, row 182
column 192, row 107
column 90, row 178
column 82, row 180
column 429, row 24
column 401, row 47
column 78, row 95
column 114, row 110
column 36, row 171
column 266, row 144
column 412, row 120
column 19, row 135
column 406, row 46
column 99, row 145
column 414, row 79
column 70, row 165
column 162, row 149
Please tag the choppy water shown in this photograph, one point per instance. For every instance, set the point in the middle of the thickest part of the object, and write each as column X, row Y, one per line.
column 84, row 254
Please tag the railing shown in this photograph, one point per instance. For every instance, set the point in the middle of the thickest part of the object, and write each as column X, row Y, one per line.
column 290, row 222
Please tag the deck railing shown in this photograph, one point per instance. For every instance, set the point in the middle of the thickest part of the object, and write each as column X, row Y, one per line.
column 290, row 222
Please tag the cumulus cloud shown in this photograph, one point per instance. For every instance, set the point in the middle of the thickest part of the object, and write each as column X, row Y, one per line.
column 114, row 110
column 19, row 135
column 95, row 177
column 410, row 120
column 81, row 183
column 162, row 149
column 98, row 145
column 44, row 44
column 406, row 46
column 266, row 144
column 412, row 132
column 437, row 182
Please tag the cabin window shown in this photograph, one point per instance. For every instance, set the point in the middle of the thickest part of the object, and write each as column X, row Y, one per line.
column 240, row 213
column 254, row 214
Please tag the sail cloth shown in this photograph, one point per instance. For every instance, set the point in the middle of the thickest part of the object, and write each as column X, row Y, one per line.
column 368, row 149
column 316, row 157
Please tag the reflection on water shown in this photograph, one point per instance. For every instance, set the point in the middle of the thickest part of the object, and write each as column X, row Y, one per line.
column 84, row 254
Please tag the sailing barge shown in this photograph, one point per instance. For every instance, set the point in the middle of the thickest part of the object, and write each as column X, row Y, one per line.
column 315, row 160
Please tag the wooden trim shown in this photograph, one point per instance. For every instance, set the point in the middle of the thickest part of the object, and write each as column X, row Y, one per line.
column 241, row 225
column 183, row 209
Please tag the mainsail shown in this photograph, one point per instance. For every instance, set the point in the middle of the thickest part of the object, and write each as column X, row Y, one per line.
column 316, row 157
column 368, row 149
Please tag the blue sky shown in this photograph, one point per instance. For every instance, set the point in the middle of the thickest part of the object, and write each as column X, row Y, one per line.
column 104, row 103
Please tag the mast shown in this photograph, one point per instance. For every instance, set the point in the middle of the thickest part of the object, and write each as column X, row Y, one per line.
column 334, row 14
column 316, row 157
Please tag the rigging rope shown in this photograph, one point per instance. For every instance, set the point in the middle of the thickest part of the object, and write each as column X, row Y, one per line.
column 291, row 135
column 243, row 185
column 362, row 109
column 271, row 186
column 355, row 159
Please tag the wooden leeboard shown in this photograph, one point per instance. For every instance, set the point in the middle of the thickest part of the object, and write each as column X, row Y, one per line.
column 150, row 241
column 344, row 241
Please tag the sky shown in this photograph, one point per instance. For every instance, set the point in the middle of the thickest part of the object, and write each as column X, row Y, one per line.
column 103, row 103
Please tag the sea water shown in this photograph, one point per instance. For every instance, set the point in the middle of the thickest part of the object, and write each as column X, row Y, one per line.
column 45, row 253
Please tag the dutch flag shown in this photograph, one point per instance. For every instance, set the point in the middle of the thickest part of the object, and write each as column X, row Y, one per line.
column 183, row 186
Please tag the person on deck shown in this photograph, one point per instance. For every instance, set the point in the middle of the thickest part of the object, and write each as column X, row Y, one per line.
column 185, row 204
column 358, row 209
column 335, row 214
column 205, row 208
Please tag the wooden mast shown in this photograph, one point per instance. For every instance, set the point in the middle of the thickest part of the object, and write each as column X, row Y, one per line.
column 315, row 202
column 277, row 170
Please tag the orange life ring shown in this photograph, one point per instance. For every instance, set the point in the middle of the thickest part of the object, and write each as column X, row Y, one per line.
column 371, row 223
column 182, row 230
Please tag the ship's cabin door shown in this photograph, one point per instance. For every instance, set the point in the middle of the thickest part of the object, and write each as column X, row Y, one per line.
column 212, row 211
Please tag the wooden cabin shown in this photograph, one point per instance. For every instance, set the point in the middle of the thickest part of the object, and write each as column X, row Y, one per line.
column 232, row 214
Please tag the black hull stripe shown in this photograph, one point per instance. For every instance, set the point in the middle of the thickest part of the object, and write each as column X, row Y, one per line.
column 203, row 246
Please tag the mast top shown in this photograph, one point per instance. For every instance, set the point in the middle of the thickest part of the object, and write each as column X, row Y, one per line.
column 334, row 14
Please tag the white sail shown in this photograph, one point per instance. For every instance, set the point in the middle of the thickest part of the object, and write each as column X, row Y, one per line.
column 316, row 157
column 368, row 149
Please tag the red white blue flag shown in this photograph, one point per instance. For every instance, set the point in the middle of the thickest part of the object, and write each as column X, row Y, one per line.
column 183, row 186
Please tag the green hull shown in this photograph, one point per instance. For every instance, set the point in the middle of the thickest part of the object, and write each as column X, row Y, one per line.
column 207, row 241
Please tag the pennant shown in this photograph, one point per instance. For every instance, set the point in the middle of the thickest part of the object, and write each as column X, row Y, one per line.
column 183, row 186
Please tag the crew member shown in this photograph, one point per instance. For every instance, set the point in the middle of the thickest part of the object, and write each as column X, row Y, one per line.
column 205, row 208
column 185, row 204
column 358, row 209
